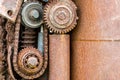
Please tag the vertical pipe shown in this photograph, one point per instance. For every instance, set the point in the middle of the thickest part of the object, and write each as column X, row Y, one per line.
column 40, row 40
column 59, row 57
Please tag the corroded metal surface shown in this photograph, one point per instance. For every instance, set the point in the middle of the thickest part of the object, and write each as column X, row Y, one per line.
column 17, row 42
column 98, row 20
column 59, row 57
column 10, row 8
column 30, row 62
column 10, row 39
column 2, row 48
column 96, row 41
column 60, row 16
column 95, row 60
column 28, row 43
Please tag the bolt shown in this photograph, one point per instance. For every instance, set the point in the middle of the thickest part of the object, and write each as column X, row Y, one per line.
column 34, row 14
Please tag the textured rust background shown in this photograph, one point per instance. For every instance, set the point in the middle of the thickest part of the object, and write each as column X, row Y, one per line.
column 59, row 54
column 95, row 45
column 98, row 20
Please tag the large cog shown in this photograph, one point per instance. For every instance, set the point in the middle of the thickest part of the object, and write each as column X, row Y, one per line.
column 60, row 16
column 30, row 61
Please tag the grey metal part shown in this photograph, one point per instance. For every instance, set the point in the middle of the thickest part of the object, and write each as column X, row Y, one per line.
column 45, row 0
column 10, row 8
column 26, row 18
column 40, row 40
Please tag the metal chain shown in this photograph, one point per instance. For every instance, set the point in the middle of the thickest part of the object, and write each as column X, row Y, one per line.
column 2, row 48
column 10, row 38
column 16, row 44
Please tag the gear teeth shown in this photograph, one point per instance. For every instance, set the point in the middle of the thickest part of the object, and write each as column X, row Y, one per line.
column 28, row 48
column 51, row 29
column 77, row 18
column 21, row 54
column 50, row 25
column 16, row 49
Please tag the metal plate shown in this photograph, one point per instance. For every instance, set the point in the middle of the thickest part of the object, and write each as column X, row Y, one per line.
column 10, row 8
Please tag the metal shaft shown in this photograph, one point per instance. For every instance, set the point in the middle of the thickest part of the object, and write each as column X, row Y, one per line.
column 59, row 57
column 40, row 40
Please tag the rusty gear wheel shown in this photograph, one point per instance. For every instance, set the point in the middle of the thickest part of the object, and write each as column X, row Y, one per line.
column 60, row 16
column 30, row 62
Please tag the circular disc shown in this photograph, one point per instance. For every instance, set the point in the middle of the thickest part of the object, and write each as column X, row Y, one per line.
column 29, row 10
column 60, row 16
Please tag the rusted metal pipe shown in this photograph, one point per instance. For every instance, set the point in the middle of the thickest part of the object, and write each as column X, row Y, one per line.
column 59, row 57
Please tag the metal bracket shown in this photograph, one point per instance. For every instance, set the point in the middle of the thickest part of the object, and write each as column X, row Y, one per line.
column 10, row 8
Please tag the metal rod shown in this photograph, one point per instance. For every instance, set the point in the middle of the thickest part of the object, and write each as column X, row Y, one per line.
column 40, row 39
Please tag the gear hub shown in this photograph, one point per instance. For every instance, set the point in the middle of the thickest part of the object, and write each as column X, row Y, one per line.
column 60, row 16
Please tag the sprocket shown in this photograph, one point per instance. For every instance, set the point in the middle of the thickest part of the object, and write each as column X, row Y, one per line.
column 30, row 61
column 60, row 16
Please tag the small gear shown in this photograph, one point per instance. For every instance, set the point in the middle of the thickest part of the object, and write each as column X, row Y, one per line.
column 32, row 14
column 30, row 62
column 60, row 16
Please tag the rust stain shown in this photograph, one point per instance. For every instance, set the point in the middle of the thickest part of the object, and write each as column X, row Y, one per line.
column 95, row 41
column 98, row 19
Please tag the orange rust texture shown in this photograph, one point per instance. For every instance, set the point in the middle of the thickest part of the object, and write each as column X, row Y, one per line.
column 59, row 57
column 95, row 45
